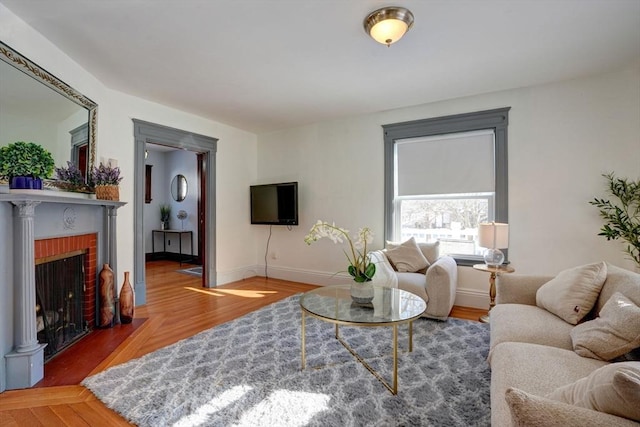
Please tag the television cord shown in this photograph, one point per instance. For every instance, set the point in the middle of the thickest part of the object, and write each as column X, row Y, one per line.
column 266, row 252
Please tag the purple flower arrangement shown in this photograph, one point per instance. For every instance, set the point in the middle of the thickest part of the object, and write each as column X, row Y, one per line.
column 105, row 175
column 70, row 174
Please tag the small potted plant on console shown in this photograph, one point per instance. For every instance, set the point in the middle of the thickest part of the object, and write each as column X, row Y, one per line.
column 165, row 217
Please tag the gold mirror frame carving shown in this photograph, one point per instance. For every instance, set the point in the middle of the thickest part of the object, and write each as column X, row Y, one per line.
column 33, row 70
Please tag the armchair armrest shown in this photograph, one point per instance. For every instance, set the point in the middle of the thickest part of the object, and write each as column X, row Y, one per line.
column 441, row 284
column 518, row 288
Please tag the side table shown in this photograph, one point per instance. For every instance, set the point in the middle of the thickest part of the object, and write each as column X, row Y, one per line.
column 180, row 233
column 494, row 271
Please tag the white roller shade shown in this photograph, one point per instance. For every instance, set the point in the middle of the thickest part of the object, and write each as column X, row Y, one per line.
column 446, row 164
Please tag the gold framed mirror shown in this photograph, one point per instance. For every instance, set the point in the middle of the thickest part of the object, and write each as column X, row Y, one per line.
column 38, row 107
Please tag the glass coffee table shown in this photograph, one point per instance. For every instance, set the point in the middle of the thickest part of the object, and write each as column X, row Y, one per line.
column 390, row 307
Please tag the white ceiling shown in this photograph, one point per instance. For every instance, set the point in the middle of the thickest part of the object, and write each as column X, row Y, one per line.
column 263, row 65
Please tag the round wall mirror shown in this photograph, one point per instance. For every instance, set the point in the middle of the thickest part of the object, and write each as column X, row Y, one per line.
column 179, row 188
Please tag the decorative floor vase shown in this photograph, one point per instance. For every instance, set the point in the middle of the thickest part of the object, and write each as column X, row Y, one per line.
column 126, row 300
column 107, row 307
column 362, row 293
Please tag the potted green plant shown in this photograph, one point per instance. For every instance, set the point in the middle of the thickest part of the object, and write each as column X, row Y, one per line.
column 106, row 179
column 165, row 216
column 25, row 164
column 622, row 215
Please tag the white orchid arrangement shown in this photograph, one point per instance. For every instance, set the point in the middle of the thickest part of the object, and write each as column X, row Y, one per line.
column 360, row 265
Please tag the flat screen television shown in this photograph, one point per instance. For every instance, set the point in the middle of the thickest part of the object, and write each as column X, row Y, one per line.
column 275, row 204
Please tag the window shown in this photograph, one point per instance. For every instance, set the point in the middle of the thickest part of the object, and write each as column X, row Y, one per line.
column 444, row 176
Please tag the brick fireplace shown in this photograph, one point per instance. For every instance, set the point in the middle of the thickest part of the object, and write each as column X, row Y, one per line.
column 54, row 247
column 66, row 302
column 36, row 226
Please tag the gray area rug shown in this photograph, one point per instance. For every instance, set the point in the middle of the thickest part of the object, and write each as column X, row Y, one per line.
column 247, row 373
column 193, row 271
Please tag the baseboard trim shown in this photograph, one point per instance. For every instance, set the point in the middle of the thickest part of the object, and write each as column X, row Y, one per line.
column 239, row 274
column 465, row 297
column 473, row 298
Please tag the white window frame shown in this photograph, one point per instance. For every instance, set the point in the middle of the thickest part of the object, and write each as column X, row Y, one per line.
column 397, row 225
column 496, row 120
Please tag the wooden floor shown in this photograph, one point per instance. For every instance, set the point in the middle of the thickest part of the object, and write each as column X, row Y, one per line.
column 177, row 307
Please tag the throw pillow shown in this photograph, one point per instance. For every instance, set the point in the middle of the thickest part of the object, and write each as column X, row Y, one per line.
column 613, row 388
column 431, row 250
column 573, row 292
column 614, row 333
column 529, row 410
column 407, row 257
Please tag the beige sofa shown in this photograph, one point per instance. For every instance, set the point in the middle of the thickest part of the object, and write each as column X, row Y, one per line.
column 436, row 283
column 531, row 351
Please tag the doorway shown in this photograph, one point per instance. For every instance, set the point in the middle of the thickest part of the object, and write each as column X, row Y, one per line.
column 205, row 149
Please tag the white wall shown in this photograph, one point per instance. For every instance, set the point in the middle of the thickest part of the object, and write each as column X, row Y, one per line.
column 235, row 159
column 235, row 163
column 562, row 137
column 160, row 195
column 184, row 163
column 166, row 165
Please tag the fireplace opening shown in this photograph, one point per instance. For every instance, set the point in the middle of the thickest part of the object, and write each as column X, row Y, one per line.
column 60, row 300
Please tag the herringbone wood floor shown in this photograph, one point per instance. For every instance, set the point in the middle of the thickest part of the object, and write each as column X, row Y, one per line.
column 177, row 307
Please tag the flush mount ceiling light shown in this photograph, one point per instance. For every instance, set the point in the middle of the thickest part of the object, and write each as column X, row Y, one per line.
column 388, row 25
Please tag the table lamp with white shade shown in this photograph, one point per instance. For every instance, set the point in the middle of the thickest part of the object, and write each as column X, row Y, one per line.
column 493, row 236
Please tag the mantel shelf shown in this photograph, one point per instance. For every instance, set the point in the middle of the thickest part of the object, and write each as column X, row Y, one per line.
column 57, row 197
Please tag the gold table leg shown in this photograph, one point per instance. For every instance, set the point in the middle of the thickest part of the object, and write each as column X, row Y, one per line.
column 395, row 360
column 411, row 336
column 304, row 358
column 392, row 388
column 492, row 295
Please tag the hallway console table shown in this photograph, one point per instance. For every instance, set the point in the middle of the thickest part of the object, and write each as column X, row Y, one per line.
column 180, row 233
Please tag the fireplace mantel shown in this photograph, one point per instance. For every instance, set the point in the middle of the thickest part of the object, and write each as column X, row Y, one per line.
column 44, row 196
column 34, row 215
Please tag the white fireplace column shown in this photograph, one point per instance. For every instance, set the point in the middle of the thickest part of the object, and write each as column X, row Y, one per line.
column 25, row 364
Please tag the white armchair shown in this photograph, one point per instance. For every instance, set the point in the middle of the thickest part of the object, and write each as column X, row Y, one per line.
column 436, row 284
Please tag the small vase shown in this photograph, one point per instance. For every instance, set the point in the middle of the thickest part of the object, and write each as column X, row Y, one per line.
column 106, row 297
column 126, row 300
column 362, row 293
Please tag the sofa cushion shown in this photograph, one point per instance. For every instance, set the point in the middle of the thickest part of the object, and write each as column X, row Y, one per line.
column 573, row 292
column 531, row 410
column 614, row 333
column 619, row 280
column 528, row 323
column 614, row 389
column 407, row 257
column 534, row 368
column 431, row 250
